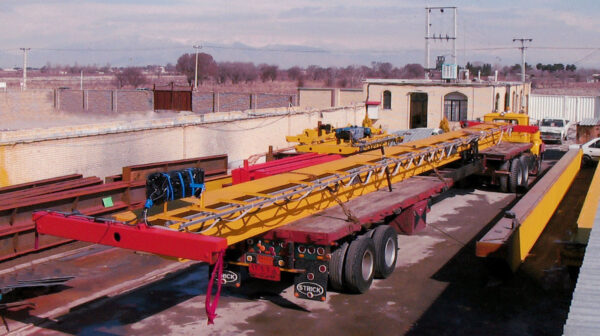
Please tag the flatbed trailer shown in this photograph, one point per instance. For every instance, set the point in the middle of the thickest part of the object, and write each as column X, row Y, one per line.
column 332, row 224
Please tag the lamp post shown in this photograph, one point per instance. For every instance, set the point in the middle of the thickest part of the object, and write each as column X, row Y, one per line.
column 197, row 47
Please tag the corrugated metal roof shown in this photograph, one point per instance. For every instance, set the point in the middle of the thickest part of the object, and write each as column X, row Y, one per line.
column 590, row 122
column 584, row 314
column 416, row 133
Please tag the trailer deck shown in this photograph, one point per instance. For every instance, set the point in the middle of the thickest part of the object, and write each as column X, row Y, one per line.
column 332, row 224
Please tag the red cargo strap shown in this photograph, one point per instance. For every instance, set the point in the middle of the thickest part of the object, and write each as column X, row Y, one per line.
column 211, row 307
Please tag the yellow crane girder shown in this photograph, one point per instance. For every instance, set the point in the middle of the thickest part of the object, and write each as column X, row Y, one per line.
column 248, row 209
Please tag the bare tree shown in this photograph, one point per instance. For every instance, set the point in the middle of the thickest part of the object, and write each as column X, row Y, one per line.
column 268, row 72
column 294, row 73
column 207, row 67
column 131, row 76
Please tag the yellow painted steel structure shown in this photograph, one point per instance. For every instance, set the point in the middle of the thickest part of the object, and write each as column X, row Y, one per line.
column 585, row 221
column 345, row 148
column 523, row 137
column 248, row 209
column 218, row 183
column 533, row 224
column 326, row 143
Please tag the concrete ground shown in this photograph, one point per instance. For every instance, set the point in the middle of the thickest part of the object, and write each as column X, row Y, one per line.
column 439, row 288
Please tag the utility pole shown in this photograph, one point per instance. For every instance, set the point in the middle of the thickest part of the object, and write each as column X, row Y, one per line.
column 450, row 35
column 197, row 47
column 522, row 47
column 427, row 29
column 25, row 50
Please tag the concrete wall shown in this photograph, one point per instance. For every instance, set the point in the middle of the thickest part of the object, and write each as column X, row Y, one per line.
column 328, row 97
column 315, row 98
column 103, row 149
column 349, row 97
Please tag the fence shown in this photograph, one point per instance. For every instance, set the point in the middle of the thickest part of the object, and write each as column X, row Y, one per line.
column 206, row 102
column 573, row 108
column 122, row 101
column 103, row 101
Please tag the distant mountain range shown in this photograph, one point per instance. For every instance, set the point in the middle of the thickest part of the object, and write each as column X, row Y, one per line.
column 139, row 53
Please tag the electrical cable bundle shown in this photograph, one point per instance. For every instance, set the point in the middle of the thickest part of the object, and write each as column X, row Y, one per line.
column 169, row 186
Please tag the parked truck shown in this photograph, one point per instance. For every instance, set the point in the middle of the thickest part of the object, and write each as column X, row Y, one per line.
column 554, row 129
column 333, row 225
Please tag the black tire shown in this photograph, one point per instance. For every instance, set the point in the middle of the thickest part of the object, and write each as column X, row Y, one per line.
column 586, row 160
column 524, row 172
column 359, row 265
column 503, row 179
column 537, row 164
column 336, row 268
column 514, row 179
column 385, row 240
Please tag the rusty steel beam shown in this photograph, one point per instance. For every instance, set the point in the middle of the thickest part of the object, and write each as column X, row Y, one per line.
column 28, row 185
column 50, row 188
column 17, row 230
column 212, row 165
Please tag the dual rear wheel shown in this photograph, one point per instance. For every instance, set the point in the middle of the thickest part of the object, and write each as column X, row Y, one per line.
column 354, row 265
column 518, row 176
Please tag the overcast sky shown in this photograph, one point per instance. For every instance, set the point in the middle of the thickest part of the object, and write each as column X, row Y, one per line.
column 128, row 32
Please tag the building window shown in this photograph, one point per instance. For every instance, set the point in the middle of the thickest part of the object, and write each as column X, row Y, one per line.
column 497, row 103
column 387, row 100
column 455, row 106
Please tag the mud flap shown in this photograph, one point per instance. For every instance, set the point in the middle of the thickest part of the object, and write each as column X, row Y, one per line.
column 312, row 284
column 232, row 275
column 412, row 219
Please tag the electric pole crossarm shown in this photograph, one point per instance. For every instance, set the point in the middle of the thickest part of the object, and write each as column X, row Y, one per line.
column 522, row 47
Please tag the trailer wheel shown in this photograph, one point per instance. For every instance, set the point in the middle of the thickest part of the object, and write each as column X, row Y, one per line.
column 336, row 268
column 524, row 172
column 516, row 177
column 385, row 240
column 360, row 264
column 503, row 179
column 537, row 164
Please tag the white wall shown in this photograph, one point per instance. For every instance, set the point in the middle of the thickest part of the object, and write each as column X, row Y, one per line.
column 103, row 149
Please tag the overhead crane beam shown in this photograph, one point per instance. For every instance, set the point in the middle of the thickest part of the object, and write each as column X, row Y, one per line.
column 230, row 215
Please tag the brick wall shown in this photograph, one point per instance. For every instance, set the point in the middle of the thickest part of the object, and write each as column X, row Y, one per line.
column 134, row 101
column 30, row 101
column 105, row 101
column 202, row 102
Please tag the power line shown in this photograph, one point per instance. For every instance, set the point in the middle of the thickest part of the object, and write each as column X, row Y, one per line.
column 290, row 50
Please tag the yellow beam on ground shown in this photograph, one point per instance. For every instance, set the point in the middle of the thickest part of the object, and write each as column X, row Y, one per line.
column 532, row 226
column 513, row 238
column 585, row 222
